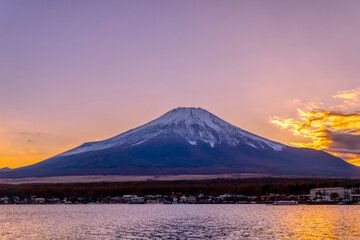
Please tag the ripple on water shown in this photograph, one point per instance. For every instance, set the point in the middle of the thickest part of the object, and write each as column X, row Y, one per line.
column 179, row 222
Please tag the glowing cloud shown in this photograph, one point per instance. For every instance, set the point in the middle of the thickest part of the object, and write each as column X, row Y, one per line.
column 335, row 131
column 353, row 95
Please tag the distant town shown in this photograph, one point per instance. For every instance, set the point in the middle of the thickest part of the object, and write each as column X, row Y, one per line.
column 333, row 195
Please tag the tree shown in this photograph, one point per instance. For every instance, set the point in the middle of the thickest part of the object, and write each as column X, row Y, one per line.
column 334, row 196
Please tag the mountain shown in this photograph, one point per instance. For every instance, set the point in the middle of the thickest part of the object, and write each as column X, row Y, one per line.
column 5, row 169
column 188, row 141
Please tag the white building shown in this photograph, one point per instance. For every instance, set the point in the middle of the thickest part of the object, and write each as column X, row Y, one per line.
column 183, row 199
column 323, row 194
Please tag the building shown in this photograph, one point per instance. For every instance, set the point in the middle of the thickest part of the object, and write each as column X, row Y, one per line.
column 4, row 200
column 39, row 200
column 183, row 199
column 325, row 194
column 191, row 199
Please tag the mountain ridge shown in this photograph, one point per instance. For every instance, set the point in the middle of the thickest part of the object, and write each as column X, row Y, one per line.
column 188, row 141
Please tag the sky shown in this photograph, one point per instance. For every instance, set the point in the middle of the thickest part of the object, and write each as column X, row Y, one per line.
column 79, row 71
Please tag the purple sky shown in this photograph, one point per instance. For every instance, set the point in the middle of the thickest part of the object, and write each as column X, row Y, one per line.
column 76, row 71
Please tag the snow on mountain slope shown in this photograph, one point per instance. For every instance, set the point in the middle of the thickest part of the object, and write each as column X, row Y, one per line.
column 191, row 124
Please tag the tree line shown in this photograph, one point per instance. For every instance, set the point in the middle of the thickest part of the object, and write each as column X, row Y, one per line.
column 248, row 187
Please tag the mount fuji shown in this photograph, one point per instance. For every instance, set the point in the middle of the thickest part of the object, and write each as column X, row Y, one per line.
column 188, row 141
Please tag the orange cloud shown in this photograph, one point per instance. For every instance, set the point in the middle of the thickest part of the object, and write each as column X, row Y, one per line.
column 335, row 129
column 353, row 95
column 355, row 161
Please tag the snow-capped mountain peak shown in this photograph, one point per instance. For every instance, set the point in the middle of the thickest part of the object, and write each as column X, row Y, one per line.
column 188, row 141
column 192, row 124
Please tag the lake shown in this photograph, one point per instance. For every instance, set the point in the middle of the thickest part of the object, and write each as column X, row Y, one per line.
column 179, row 222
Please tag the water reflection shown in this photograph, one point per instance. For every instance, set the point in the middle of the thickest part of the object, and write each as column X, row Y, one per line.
column 179, row 222
column 323, row 222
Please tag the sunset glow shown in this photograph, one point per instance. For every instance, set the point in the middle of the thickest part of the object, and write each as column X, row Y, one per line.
column 74, row 72
column 180, row 119
column 332, row 130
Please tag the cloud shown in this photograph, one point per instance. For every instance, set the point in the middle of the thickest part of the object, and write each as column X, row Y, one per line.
column 352, row 95
column 355, row 161
column 334, row 128
column 344, row 142
column 351, row 99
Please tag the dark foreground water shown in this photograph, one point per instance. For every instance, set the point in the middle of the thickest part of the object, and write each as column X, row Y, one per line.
column 179, row 222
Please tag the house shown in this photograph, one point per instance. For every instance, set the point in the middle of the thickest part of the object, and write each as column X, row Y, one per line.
column 225, row 196
column 191, row 199
column 129, row 198
column 327, row 194
column 183, row 199
column 4, row 200
column 137, row 199
column 54, row 200
column 39, row 200
column 265, row 198
column 66, row 201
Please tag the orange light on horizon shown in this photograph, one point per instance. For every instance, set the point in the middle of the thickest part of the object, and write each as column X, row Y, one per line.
column 328, row 130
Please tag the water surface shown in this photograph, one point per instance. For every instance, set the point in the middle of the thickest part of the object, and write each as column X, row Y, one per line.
column 179, row 222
